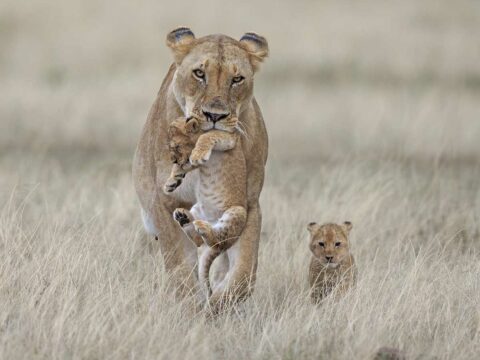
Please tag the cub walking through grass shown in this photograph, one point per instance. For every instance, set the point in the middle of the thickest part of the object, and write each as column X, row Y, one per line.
column 218, row 217
column 332, row 267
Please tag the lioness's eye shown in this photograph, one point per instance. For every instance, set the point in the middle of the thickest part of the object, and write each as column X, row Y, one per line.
column 199, row 74
column 337, row 244
column 321, row 244
column 237, row 79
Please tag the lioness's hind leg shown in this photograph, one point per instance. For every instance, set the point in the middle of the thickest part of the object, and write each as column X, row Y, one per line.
column 225, row 231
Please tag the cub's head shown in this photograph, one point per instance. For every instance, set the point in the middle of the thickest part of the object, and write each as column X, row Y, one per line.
column 214, row 75
column 182, row 136
column 329, row 242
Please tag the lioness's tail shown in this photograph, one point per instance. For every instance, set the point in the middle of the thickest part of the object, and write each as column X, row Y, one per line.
column 204, row 265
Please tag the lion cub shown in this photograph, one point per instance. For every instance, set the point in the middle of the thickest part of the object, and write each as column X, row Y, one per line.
column 218, row 217
column 332, row 267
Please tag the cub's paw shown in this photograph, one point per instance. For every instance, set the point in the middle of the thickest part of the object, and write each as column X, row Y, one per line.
column 171, row 185
column 200, row 156
column 205, row 230
column 182, row 216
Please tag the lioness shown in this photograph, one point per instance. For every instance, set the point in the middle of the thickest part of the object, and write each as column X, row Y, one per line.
column 221, row 191
column 332, row 267
column 211, row 78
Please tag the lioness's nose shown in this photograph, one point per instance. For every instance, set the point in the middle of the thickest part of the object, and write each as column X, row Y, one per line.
column 214, row 117
column 329, row 258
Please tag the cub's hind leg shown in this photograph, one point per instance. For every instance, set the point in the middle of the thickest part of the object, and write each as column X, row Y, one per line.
column 225, row 231
column 185, row 219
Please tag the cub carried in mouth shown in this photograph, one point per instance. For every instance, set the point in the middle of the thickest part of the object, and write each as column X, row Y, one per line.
column 332, row 267
column 218, row 217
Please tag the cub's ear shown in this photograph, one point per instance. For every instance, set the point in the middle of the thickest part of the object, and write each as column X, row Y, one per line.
column 312, row 227
column 175, row 128
column 347, row 225
column 172, row 131
column 257, row 48
column 192, row 125
column 180, row 40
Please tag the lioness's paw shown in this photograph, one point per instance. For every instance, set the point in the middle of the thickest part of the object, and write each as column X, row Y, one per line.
column 200, row 156
column 182, row 216
column 171, row 185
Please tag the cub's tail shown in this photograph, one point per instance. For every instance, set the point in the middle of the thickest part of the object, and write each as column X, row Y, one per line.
column 204, row 265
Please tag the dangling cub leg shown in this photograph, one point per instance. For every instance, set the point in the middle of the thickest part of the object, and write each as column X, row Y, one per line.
column 175, row 179
column 225, row 231
column 185, row 219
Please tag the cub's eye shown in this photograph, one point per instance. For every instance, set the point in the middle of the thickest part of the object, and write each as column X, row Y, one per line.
column 322, row 244
column 337, row 244
column 199, row 74
column 237, row 79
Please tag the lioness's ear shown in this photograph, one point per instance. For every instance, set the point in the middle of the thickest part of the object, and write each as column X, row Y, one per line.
column 347, row 225
column 256, row 46
column 180, row 41
column 312, row 227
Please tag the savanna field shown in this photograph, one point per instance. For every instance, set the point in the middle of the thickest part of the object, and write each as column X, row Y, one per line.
column 373, row 114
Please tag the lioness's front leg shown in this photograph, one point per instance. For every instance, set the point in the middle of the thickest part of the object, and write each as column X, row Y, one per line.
column 212, row 140
column 177, row 251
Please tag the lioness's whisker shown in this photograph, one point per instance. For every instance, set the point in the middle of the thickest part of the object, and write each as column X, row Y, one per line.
column 242, row 131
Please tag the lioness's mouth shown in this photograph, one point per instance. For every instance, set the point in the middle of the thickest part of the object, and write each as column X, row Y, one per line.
column 226, row 124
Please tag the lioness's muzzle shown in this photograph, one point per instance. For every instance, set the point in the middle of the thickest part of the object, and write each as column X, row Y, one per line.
column 214, row 117
column 215, row 110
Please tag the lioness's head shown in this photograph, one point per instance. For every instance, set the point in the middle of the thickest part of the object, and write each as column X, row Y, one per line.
column 329, row 243
column 182, row 135
column 214, row 75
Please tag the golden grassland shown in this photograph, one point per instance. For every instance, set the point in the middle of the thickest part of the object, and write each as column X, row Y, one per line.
column 373, row 115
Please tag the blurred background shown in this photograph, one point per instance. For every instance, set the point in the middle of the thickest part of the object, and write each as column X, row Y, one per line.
column 370, row 77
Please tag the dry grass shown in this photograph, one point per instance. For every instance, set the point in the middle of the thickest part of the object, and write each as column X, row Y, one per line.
column 373, row 117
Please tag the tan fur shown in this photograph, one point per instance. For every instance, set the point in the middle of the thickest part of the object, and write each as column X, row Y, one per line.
column 221, row 191
column 183, row 95
column 182, row 137
column 332, row 266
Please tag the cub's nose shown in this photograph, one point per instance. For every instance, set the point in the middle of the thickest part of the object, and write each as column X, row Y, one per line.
column 214, row 117
column 329, row 258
